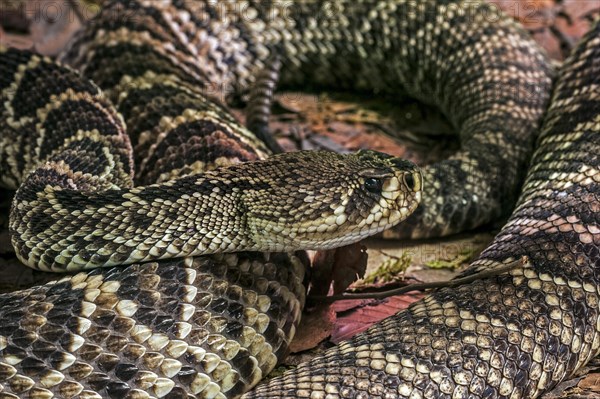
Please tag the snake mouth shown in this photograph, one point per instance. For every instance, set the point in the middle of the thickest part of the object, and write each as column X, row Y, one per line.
column 406, row 204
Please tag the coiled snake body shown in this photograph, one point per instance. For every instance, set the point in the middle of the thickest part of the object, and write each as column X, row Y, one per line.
column 212, row 326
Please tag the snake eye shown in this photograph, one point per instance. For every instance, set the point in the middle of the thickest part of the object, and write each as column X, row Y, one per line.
column 409, row 181
column 373, row 185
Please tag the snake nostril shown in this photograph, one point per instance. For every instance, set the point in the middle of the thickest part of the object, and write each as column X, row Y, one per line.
column 409, row 181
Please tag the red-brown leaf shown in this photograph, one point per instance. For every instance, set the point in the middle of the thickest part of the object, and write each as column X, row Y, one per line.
column 352, row 320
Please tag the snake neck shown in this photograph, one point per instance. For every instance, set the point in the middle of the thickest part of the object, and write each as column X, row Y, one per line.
column 123, row 226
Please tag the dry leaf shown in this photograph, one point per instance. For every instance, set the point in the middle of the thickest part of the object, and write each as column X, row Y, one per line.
column 366, row 313
column 314, row 327
column 350, row 264
column 322, row 272
column 341, row 266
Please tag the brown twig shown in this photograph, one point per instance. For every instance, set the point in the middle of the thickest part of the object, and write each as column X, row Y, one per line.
column 425, row 286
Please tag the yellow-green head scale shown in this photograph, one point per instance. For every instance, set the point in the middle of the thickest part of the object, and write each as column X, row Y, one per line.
column 319, row 200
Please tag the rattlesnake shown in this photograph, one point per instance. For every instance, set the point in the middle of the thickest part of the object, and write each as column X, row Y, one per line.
column 201, row 325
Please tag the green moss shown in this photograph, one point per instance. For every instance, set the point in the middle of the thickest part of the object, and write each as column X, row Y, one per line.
column 463, row 257
column 392, row 269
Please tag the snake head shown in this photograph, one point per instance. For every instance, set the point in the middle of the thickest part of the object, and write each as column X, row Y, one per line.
column 322, row 200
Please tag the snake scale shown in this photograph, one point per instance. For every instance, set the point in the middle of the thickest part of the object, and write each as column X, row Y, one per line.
column 213, row 326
